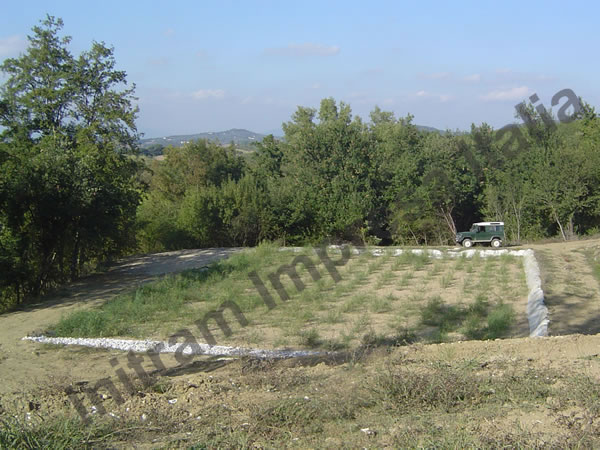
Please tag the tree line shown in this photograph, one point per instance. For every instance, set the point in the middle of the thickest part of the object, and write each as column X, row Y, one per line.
column 336, row 177
column 74, row 190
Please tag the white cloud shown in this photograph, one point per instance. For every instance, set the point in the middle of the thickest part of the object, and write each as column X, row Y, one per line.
column 474, row 77
column 516, row 93
column 306, row 49
column 202, row 94
column 440, row 97
column 12, row 45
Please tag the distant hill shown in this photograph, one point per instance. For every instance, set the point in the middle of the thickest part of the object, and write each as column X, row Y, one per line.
column 429, row 129
column 242, row 139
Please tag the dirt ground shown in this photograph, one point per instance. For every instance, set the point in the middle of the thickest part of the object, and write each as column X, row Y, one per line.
column 24, row 361
column 572, row 297
column 572, row 293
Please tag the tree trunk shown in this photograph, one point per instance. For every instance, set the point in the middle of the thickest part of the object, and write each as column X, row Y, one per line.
column 447, row 215
column 517, row 211
column 562, row 230
column 75, row 257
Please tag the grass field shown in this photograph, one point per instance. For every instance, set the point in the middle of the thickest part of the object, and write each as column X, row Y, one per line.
column 387, row 298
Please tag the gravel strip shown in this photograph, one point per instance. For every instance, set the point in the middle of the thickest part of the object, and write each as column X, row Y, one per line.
column 141, row 346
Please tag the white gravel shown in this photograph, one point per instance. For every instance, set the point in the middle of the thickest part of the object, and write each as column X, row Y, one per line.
column 140, row 346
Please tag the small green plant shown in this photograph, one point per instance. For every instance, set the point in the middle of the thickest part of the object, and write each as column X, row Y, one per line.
column 310, row 338
column 398, row 263
column 354, row 303
column 380, row 305
column 436, row 268
column 499, row 320
column 446, row 280
column 420, row 260
column 161, row 386
column 374, row 265
column 384, row 279
column 333, row 316
column 373, row 339
column 405, row 278
column 460, row 263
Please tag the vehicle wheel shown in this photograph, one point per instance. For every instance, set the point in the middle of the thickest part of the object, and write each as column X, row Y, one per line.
column 467, row 243
column 496, row 243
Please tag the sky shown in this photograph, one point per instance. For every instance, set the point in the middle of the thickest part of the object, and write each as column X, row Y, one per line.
column 214, row 65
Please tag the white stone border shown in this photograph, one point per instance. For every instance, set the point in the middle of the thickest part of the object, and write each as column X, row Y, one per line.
column 141, row 346
column 537, row 313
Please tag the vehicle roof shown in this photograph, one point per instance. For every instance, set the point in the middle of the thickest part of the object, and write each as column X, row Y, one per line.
column 488, row 223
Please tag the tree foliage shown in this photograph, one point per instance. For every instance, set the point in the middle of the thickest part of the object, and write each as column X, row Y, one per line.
column 68, row 189
column 335, row 177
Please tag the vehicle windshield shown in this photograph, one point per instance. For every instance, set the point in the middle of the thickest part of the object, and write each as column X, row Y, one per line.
column 474, row 228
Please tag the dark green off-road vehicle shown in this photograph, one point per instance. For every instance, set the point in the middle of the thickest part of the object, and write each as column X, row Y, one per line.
column 488, row 232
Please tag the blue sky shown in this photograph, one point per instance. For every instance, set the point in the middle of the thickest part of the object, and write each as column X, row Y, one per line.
column 210, row 66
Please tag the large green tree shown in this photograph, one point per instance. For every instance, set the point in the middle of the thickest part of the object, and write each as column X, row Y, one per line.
column 68, row 189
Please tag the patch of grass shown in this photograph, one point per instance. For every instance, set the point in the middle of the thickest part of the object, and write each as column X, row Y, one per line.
column 593, row 258
column 499, row 320
column 460, row 263
column 373, row 339
column 384, row 279
column 398, row 263
column 446, row 280
column 355, row 303
column 449, row 388
column 332, row 316
column 436, row 268
column 360, row 277
column 419, row 261
column 171, row 297
column 405, row 278
column 310, row 338
column 304, row 415
column 360, row 324
column 380, row 305
column 477, row 321
column 375, row 264
column 404, row 390
column 437, row 313
column 177, row 301
column 60, row 432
